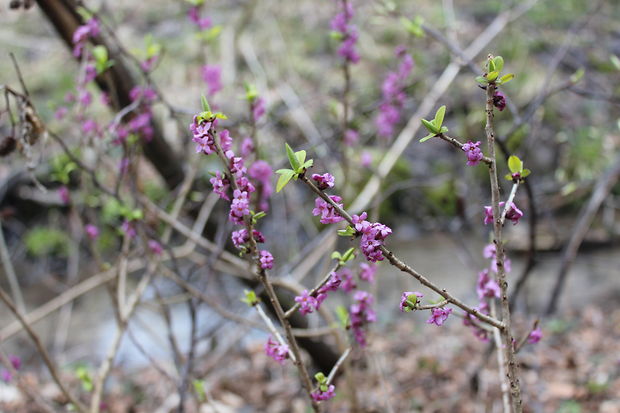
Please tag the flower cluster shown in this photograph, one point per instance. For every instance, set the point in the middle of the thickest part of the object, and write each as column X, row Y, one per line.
column 474, row 154
column 258, row 109
column 204, row 136
column 310, row 302
column 320, row 395
column 373, row 236
column 212, row 75
column 16, row 363
column 277, row 351
column 487, row 286
column 326, row 210
column 360, row 314
column 193, row 15
column 347, row 32
column 439, row 316
column 489, row 252
column 324, row 181
column 513, row 214
column 81, row 35
column 393, row 95
column 367, row 272
column 307, row 303
column 535, row 336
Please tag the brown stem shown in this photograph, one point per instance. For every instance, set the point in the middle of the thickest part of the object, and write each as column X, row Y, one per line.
column 512, row 368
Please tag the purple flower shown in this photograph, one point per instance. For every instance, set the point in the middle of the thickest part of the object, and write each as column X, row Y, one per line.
column 15, row 361
column 393, row 95
column 6, row 376
column 535, row 336
column 146, row 93
column 92, row 231
column 148, row 64
column 307, row 303
column 499, row 100
column 348, row 282
column 89, row 126
column 266, row 260
column 360, row 314
column 247, row 147
column 351, row 137
column 332, row 284
column 341, row 23
column 64, row 194
column 82, row 33
column 211, row 74
column 275, row 350
column 202, row 132
column 155, row 247
column 323, row 181
column 225, row 140
column 203, row 23
column 258, row 109
column 239, row 238
column 220, row 185
column 85, row 98
column 90, row 73
column 412, row 296
column 373, row 236
column 239, row 207
column 320, row 395
column 129, row 228
column 60, row 113
column 439, row 316
column 367, row 272
column 326, row 211
column 366, row 159
column 261, row 171
column 513, row 214
column 474, row 154
column 487, row 286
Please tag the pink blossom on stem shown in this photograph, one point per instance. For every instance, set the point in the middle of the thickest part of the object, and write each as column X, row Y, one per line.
column 277, row 351
column 535, row 336
column 60, row 113
column 513, row 214
column 129, row 228
column 373, row 236
column 319, row 395
column 155, row 247
column 326, row 211
column 65, row 195
column 220, row 185
column 323, row 181
column 266, row 260
column 92, row 231
column 499, row 100
column 193, row 15
column 351, row 137
column 247, row 147
column 367, row 272
column 487, row 286
column 239, row 207
column 439, row 316
column 474, row 154
column 212, row 74
column 360, row 314
column 241, row 237
column 348, row 281
column 307, row 303
column 258, row 109
column 409, row 296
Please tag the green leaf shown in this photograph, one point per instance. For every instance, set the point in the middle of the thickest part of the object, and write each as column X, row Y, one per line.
column 336, row 255
column 249, row 297
column 515, row 164
column 492, row 76
column 481, row 79
column 443, row 129
column 491, row 65
column 430, row 126
column 427, row 137
column 301, row 156
column 526, row 172
column 439, row 115
column 349, row 232
column 508, row 177
column 251, row 92
column 199, row 388
column 615, row 61
column 506, row 78
column 343, row 315
column 285, row 177
column 320, row 377
column 292, row 158
column 348, row 255
column 307, row 164
column 205, row 104
column 499, row 63
column 85, row 14
column 100, row 53
column 576, row 77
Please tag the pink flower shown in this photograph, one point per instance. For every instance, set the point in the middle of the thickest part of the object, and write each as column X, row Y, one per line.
column 194, row 16
column 82, row 33
column 239, row 238
column 412, row 296
column 474, row 154
column 360, row 314
column 239, row 207
column 348, row 282
column 211, row 74
column 513, row 214
column 60, row 113
column 92, row 231
column 247, row 147
column 220, row 185
column 319, row 395
column 148, row 64
column 64, row 194
column 323, row 181
column 155, row 247
column 535, row 336
column 277, row 351
column 331, row 285
column 351, row 137
column 266, row 260
column 439, row 316
column 258, row 109
column 326, row 211
column 367, row 272
column 366, row 159
column 307, row 303
column 225, row 140
column 487, row 286
column 373, row 236
column 85, row 98
column 203, row 135
column 90, row 73
column 129, row 228
column 499, row 100
column 146, row 93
